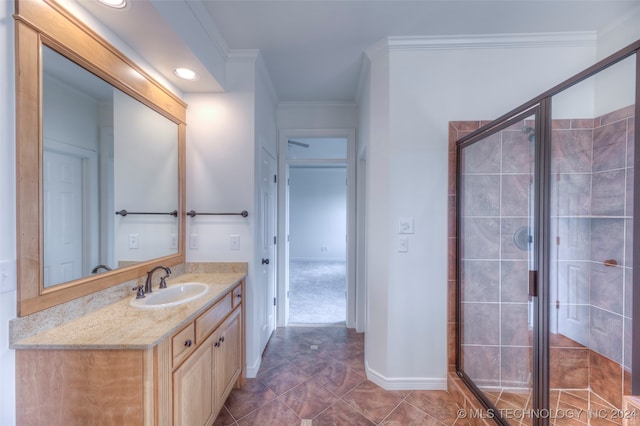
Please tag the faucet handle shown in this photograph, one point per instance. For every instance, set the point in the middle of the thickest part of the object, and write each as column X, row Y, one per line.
column 163, row 283
column 140, row 291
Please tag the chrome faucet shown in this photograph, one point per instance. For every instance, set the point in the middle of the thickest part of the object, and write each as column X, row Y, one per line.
column 163, row 284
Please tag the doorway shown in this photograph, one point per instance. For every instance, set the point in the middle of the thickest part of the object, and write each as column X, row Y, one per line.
column 317, row 244
column 317, row 225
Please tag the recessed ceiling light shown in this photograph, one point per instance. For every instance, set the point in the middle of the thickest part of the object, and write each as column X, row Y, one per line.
column 116, row 4
column 186, row 73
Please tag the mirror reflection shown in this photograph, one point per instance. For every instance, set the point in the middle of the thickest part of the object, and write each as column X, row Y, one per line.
column 103, row 152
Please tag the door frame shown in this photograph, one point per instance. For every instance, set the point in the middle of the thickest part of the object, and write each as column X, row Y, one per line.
column 283, row 218
column 538, row 265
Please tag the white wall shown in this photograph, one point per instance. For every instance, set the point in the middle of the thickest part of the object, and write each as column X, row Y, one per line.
column 220, row 156
column 375, row 97
column 7, row 211
column 610, row 94
column 428, row 86
column 619, row 34
column 362, row 141
column 318, row 213
column 317, row 115
column 62, row 105
column 220, row 175
column 224, row 135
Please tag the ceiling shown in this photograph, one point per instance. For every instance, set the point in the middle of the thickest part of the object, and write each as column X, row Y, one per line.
column 313, row 48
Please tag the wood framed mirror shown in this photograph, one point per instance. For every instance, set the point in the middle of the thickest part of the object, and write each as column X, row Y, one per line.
column 62, row 66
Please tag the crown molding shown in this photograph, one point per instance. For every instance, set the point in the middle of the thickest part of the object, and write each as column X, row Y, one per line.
column 491, row 41
column 316, row 104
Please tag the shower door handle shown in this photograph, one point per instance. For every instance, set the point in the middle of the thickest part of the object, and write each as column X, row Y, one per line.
column 265, row 261
column 533, row 283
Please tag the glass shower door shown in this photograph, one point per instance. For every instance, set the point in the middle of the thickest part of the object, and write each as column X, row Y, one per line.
column 496, row 252
column 591, row 242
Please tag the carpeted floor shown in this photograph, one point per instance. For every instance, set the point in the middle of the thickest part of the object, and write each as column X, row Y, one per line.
column 317, row 292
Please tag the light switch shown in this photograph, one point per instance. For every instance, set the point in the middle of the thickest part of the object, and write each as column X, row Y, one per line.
column 405, row 225
column 403, row 244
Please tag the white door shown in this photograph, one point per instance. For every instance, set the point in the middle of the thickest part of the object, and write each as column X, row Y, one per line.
column 267, row 284
column 63, row 217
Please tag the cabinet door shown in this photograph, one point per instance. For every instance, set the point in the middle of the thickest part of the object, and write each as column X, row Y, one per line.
column 193, row 388
column 228, row 355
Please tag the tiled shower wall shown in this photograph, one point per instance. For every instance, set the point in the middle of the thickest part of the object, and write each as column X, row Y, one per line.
column 591, row 263
column 497, row 345
column 592, row 258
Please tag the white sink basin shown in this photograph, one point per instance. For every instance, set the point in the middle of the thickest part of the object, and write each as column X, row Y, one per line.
column 173, row 295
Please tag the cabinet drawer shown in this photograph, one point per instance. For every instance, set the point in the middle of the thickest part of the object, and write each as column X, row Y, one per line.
column 183, row 343
column 208, row 321
column 237, row 296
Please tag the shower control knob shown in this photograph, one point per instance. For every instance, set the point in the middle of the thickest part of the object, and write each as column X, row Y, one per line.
column 265, row 261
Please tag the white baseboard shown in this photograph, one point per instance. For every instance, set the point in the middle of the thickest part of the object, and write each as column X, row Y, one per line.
column 252, row 370
column 406, row 383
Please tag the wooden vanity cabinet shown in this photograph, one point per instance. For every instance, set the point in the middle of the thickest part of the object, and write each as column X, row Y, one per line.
column 203, row 382
column 184, row 380
column 193, row 388
column 227, row 355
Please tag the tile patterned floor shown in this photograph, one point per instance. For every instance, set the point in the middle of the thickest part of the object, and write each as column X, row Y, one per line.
column 316, row 376
column 579, row 407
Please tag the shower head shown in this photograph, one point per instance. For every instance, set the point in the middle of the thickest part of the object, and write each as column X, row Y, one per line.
column 531, row 132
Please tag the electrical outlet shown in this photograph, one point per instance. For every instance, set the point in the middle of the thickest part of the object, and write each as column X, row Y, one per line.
column 234, row 242
column 133, row 241
column 7, row 275
column 403, row 244
column 194, row 241
column 173, row 241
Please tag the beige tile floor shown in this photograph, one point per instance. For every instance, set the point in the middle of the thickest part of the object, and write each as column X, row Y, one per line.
column 316, row 376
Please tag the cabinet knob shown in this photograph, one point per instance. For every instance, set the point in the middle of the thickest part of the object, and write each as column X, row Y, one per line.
column 239, row 295
column 217, row 344
column 188, row 343
column 222, row 339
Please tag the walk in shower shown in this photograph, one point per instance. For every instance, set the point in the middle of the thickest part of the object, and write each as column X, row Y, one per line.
column 545, row 218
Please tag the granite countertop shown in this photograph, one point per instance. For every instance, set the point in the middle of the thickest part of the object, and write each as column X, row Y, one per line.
column 121, row 326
